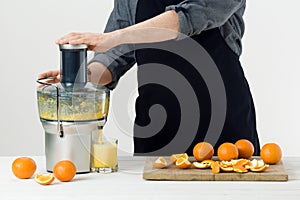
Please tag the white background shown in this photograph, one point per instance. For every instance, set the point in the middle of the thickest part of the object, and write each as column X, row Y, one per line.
column 29, row 28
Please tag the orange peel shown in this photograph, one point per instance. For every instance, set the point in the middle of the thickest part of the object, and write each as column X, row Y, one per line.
column 240, row 166
column 204, row 164
column 160, row 163
column 226, row 169
column 174, row 157
column 183, row 163
column 260, row 169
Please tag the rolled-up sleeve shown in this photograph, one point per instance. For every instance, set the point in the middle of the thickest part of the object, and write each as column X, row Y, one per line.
column 121, row 58
column 196, row 16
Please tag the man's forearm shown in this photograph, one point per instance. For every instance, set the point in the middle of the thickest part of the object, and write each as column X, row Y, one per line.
column 99, row 73
column 157, row 29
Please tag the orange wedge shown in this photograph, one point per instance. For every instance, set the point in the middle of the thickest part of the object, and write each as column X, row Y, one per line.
column 183, row 163
column 44, row 179
column 160, row 163
column 215, row 167
column 174, row 157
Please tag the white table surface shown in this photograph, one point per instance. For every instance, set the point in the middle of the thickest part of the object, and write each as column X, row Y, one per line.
column 128, row 183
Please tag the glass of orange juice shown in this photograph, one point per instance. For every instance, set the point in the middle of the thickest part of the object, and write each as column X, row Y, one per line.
column 104, row 155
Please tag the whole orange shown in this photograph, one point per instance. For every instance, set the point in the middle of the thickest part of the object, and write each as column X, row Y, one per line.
column 64, row 170
column 227, row 151
column 245, row 148
column 271, row 153
column 203, row 151
column 23, row 167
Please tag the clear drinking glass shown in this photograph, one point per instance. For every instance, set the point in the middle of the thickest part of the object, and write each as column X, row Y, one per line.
column 104, row 155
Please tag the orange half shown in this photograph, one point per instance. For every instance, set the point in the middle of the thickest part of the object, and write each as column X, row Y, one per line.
column 44, row 179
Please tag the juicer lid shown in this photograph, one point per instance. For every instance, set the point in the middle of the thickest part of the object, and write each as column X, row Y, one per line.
column 73, row 46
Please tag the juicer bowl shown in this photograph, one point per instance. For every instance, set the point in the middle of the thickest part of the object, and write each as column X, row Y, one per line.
column 87, row 103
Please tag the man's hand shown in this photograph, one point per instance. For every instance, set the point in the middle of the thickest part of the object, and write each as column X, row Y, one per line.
column 53, row 74
column 160, row 28
column 97, row 73
column 95, row 41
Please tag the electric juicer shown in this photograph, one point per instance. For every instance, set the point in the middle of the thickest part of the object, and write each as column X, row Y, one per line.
column 72, row 111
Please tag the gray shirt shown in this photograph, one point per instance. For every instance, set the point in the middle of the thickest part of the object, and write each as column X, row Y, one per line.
column 195, row 16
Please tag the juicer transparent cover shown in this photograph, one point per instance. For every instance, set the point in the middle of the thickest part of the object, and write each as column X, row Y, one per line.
column 59, row 102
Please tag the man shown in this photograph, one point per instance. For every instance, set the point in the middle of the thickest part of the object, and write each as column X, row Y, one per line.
column 152, row 34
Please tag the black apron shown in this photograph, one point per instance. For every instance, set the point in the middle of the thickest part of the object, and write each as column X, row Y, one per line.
column 240, row 114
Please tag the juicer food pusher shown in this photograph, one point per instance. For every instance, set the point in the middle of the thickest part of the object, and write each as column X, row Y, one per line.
column 71, row 111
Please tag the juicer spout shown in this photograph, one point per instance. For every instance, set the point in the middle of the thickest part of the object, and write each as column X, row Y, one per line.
column 60, row 130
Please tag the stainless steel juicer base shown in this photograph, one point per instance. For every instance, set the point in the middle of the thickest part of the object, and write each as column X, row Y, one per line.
column 75, row 145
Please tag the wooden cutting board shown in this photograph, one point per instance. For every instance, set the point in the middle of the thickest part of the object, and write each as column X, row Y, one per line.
column 172, row 172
